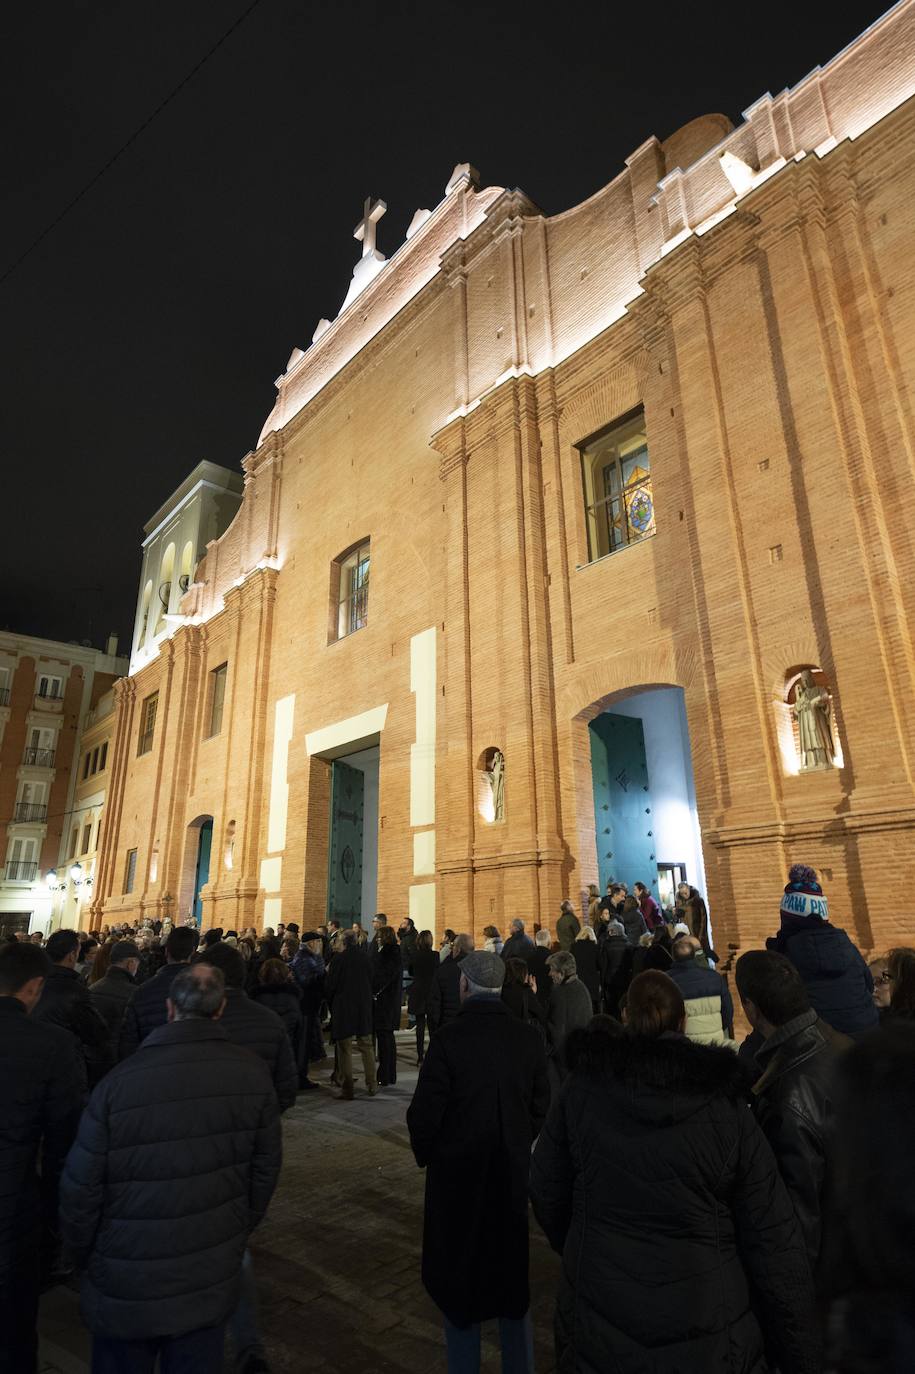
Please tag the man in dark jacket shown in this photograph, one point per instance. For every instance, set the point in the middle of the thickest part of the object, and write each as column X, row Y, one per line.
column 65, row 998
column 157, row 1205
column 348, row 989
column 40, row 1103
column 567, row 925
column 480, row 1101
column 519, row 945
column 148, row 1009
column 794, row 1092
column 614, row 963
column 837, row 979
column 537, row 967
column 445, row 995
column 111, row 997
column 253, row 1026
column 709, row 1008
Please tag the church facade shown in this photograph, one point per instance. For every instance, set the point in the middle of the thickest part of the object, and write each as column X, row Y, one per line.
column 575, row 547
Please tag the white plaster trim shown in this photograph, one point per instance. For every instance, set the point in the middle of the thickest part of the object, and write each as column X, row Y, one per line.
column 350, row 731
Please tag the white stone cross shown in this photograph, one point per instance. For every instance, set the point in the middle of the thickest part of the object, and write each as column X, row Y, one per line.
column 365, row 229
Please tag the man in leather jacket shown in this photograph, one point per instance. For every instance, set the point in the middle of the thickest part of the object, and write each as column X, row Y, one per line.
column 793, row 1095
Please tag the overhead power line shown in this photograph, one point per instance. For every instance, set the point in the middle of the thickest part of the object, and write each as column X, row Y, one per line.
column 141, row 128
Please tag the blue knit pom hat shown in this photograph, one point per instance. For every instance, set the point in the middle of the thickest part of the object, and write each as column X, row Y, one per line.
column 803, row 895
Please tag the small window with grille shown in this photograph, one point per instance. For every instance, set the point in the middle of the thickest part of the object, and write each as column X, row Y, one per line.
column 350, row 584
column 616, row 478
column 148, row 723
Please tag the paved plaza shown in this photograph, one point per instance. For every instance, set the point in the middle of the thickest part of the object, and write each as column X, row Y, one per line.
column 338, row 1256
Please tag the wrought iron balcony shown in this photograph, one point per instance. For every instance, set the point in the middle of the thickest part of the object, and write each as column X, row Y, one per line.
column 39, row 758
column 21, row 871
column 30, row 811
column 4, row 696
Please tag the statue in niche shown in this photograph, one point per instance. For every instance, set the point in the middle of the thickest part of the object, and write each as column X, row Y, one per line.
column 496, row 775
column 813, row 710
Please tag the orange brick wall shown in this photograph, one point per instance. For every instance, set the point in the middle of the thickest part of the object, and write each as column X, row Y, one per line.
column 774, row 356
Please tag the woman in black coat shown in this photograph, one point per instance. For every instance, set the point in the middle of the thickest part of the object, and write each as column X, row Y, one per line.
column 276, row 988
column 387, row 979
column 521, row 999
column 422, row 970
column 692, row 1196
column 584, row 952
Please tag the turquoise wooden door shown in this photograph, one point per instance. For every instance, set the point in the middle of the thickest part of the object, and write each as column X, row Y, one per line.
column 344, row 872
column 202, row 874
column 622, row 802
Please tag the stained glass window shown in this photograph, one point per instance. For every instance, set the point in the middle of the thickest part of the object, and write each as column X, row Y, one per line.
column 616, row 475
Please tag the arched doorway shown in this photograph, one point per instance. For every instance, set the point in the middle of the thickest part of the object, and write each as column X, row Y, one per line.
column 644, row 803
column 197, row 865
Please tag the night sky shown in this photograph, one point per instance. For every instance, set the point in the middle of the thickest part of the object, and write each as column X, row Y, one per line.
column 145, row 331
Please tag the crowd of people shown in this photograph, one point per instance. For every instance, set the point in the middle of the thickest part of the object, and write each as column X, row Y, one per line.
column 706, row 1162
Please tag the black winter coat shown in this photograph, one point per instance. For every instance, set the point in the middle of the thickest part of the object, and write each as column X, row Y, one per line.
column 348, row 989
column 423, row 968
column 256, row 1028
column 480, row 1100
column 794, row 1106
column 40, row 1101
column 584, row 952
column 525, row 1005
column 445, row 995
column 651, row 1170
column 110, row 997
column 838, row 981
column 285, row 1001
column 518, row 946
column 387, row 984
column 614, row 958
column 65, row 1002
column 147, row 1010
column 158, row 1214
column 537, row 966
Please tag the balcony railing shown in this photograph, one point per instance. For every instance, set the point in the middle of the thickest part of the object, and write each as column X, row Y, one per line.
column 21, row 871
column 39, row 758
column 30, row 811
column 4, row 696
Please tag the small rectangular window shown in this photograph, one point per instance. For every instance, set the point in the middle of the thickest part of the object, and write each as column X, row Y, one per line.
column 353, row 593
column 49, row 686
column 74, row 841
column 616, row 478
column 217, row 697
column 130, row 870
column 95, row 760
column 148, row 723
column 87, row 835
column 86, row 761
column 103, row 760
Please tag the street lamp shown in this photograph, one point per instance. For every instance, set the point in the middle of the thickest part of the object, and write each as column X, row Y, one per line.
column 52, row 882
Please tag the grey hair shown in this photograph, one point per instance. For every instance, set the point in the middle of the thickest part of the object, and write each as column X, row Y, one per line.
column 517, row 923
column 474, row 989
column 197, row 991
column 463, row 944
column 347, row 937
column 562, row 963
column 542, row 937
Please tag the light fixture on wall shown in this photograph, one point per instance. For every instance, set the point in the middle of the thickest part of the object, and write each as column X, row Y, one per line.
column 52, row 882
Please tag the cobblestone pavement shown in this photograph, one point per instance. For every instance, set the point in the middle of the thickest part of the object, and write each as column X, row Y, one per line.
column 337, row 1257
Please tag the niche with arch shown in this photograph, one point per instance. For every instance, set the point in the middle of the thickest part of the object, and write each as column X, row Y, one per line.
column 808, row 735
column 187, row 567
column 490, row 785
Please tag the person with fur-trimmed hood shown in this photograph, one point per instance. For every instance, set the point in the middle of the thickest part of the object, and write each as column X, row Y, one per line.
column 693, row 1195
column 838, row 981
